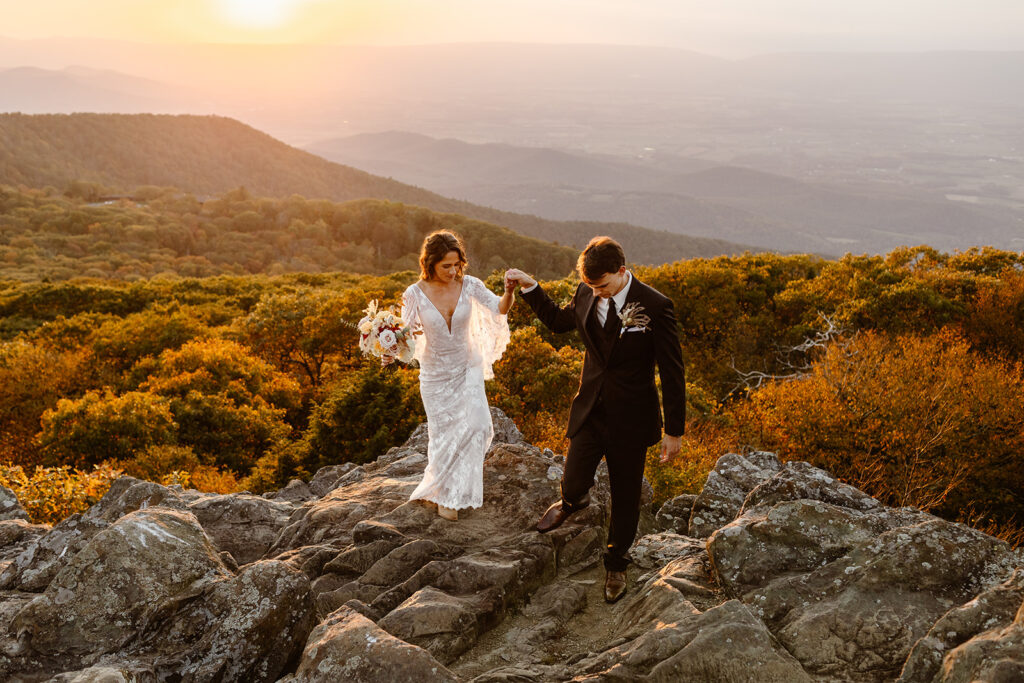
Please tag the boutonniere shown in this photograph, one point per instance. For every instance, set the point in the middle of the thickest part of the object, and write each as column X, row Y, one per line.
column 633, row 318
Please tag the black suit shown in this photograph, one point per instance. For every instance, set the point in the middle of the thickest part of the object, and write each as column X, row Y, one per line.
column 615, row 413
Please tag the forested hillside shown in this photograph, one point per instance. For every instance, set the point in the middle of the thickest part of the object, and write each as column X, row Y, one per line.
column 901, row 375
column 209, row 155
column 163, row 231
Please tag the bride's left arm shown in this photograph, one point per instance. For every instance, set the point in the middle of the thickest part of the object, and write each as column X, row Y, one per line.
column 508, row 298
column 500, row 305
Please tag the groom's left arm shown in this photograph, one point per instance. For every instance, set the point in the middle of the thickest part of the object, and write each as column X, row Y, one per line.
column 669, row 357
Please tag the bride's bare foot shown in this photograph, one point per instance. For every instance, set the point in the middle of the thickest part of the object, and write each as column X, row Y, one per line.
column 448, row 513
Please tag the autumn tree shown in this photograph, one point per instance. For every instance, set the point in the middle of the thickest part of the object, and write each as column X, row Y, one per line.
column 228, row 406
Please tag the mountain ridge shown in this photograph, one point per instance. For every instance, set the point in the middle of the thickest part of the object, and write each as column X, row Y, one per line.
column 211, row 154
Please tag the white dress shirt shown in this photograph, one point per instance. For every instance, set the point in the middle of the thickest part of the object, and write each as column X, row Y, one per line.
column 620, row 301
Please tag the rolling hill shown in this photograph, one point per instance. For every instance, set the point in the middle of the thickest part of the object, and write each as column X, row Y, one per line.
column 682, row 195
column 207, row 155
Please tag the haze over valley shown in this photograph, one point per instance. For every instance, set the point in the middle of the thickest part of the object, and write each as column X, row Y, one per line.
column 817, row 152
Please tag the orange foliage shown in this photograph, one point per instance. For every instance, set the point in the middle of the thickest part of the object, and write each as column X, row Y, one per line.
column 534, row 384
column 913, row 421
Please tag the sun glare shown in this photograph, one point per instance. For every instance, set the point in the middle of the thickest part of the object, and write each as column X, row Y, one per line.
column 258, row 14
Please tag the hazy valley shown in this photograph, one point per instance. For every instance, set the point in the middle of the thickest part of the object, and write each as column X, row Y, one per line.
column 880, row 149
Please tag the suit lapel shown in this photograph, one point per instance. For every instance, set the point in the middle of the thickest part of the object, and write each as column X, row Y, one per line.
column 632, row 295
column 588, row 308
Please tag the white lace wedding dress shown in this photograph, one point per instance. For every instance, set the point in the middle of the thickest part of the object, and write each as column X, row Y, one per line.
column 453, row 366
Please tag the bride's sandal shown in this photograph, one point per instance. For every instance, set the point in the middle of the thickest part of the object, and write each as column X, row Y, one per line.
column 448, row 513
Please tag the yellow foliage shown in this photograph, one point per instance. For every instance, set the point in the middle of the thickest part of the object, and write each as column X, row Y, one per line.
column 52, row 493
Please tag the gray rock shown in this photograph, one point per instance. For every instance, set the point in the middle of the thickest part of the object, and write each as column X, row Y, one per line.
column 326, row 478
column 792, row 537
column 802, row 481
column 297, row 491
column 117, row 583
column 10, row 507
column 35, row 567
column 727, row 486
column 863, row 612
column 107, row 674
column 983, row 618
column 349, row 647
column 726, row 643
column 505, row 430
column 241, row 628
column 442, row 624
column 674, row 515
column 244, row 525
column 995, row 656
column 656, row 550
column 16, row 535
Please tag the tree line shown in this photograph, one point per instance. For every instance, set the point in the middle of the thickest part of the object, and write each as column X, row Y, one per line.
column 164, row 232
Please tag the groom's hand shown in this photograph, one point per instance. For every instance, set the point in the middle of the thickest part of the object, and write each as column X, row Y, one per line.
column 518, row 277
column 670, row 446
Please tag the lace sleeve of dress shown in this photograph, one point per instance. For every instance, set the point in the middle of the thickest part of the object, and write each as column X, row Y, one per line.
column 411, row 316
column 488, row 330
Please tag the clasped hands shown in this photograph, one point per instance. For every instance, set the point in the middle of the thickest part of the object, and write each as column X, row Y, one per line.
column 517, row 278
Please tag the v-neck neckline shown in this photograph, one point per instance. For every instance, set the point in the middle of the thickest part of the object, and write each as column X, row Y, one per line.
column 457, row 302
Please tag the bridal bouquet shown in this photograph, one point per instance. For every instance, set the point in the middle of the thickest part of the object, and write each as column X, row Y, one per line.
column 382, row 332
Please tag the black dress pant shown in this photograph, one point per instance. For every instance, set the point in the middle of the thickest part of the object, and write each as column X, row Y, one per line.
column 597, row 439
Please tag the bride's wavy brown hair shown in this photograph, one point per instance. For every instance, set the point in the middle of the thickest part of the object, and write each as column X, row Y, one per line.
column 435, row 247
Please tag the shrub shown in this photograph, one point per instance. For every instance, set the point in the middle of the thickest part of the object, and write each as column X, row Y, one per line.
column 100, row 426
column 378, row 409
column 919, row 421
column 50, row 494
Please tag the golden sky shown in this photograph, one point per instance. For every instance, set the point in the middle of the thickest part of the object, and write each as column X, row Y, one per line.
column 724, row 27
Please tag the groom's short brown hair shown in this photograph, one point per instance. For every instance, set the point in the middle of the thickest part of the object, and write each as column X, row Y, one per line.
column 602, row 256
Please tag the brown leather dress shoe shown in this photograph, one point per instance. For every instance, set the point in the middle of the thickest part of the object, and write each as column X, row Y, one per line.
column 555, row 515
column 614, row 586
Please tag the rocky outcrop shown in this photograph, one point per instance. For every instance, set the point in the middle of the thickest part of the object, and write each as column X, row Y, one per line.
column 10, row 507
column 773, row 572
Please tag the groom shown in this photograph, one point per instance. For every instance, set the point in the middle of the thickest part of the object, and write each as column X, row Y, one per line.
column 627, row 328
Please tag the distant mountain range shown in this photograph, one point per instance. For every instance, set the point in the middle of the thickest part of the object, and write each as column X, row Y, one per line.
column 31, row 90
column 683, row 195
column 824, row 152
column 207, row 155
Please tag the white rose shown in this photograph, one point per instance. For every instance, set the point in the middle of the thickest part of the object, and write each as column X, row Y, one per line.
column 388, row 339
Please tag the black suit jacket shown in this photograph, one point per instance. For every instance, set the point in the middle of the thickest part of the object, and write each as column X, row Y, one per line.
column 624, row 374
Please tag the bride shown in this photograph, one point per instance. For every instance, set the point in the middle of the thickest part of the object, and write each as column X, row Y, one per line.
column 464, row 330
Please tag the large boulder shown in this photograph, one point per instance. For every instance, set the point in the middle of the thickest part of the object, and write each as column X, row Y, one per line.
column 674, row 514
column 726, row 488
column 243, row 525
column 349, row 647
column 726, row 643
column 117, row 583
column 996, row 656
column 973, row 631
column 35, row 567
column 248, row 627
column 792, row 537
column 862, row 613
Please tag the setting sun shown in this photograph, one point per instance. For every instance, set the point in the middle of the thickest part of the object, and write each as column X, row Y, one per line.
column 257, row 13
